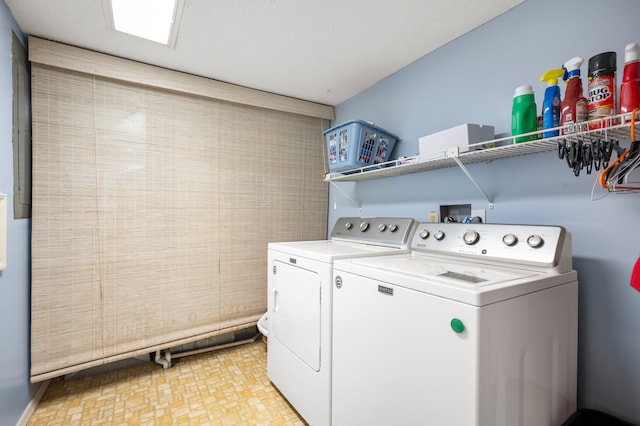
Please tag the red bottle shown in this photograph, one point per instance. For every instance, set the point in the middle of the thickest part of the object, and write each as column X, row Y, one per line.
column 574, row 107
column 630, row 88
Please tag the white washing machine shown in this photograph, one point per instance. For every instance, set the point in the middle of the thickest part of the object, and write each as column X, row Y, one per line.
column 299, row 306
column 476, row 326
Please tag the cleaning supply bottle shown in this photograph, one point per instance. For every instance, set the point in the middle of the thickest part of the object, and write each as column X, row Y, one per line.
column 574, row 107
column 551, row 103
column 630, row 87
column 524, row 114
column 602, row 89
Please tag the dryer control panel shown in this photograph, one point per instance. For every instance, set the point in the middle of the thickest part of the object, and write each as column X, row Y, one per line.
column 532, row 245
column 390, row 231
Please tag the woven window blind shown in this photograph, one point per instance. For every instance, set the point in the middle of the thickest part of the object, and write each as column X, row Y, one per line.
column 152, row 210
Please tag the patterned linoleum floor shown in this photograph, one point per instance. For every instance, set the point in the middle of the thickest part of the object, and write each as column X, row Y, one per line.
column 224, row 387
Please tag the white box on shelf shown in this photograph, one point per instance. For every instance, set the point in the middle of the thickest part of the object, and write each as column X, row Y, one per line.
column 436, row 145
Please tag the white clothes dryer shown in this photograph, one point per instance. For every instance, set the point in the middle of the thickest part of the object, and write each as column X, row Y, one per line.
column 299, row 306
column 477, row 326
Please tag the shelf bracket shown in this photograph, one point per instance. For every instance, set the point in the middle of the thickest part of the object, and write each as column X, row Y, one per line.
column 356, row 203
column 472, row 179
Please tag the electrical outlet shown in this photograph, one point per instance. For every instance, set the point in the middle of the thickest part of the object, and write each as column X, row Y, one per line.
column 434, row 217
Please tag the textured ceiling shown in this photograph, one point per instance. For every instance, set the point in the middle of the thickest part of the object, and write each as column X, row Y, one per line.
column 318, row 50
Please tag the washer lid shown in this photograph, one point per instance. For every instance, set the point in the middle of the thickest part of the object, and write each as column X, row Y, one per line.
column 449, row 272
column 467, row 282
column 465, row 274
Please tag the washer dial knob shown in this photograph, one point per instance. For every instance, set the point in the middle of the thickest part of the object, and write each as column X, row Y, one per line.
column 424, row 234
column 439, row 235
column 382, row 227
column 535, row 241
column 364, row 226
column 510, row 240
column 471, row 237
column 393, row 228
column 348, row 225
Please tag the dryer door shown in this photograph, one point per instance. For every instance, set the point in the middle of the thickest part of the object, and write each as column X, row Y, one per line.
column 295, row 313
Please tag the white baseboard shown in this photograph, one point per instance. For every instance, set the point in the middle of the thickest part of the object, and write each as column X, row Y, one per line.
column 31, row 407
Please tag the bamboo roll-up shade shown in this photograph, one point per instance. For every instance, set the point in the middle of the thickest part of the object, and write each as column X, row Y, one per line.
column 73, row 58
column 272, row 201
column 152, row 210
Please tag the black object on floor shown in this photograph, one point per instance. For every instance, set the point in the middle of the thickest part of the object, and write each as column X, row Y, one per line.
column 589, row 417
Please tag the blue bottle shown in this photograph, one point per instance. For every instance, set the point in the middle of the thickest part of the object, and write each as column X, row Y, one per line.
column 551, row 103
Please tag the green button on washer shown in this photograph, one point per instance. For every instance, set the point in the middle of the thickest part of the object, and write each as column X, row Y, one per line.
column 457, row 325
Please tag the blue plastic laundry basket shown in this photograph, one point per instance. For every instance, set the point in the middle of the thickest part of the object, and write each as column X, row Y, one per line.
column 357, row 144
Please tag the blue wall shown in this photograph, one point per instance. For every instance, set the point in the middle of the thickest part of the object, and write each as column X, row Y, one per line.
column 15, row 390
column 472, row 80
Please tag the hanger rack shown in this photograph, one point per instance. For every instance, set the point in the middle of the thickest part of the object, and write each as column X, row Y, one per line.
column 617, row 176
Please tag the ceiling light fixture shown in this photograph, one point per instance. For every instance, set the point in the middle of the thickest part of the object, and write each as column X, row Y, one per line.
column 155, row 20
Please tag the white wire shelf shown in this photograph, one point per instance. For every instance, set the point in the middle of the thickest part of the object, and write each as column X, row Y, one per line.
column 614, row 128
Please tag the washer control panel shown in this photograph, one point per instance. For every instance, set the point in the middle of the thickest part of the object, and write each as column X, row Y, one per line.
column 528, row 244
column 394, row 231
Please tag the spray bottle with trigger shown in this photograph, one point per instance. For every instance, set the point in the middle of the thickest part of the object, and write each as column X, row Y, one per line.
column 574, row 108
column 630, row 88
column 551, row 103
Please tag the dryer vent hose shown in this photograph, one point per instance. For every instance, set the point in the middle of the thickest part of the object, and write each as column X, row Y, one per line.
column 263, row 323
